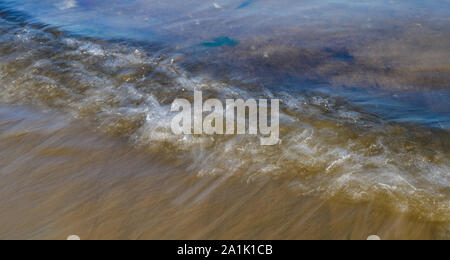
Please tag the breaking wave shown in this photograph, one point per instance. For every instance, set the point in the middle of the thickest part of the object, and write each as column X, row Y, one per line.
column 330, row 146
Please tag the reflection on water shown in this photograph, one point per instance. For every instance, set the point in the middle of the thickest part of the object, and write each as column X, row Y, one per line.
column 364, row 119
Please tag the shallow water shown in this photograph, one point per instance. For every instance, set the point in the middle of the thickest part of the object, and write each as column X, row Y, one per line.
column 85, row 124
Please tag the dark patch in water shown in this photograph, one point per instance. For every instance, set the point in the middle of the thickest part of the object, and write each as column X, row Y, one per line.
column 218, row 42
column 14, row 16
column 341, row 54
column 245, row 4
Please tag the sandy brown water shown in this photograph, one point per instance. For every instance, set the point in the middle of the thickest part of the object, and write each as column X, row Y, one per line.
column 61, row 178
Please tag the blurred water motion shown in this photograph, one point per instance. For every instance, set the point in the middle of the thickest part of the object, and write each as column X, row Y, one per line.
column 59, row 178
column 86, row 146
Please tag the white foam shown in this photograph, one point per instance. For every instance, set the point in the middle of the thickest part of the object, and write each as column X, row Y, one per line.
column 67, row 4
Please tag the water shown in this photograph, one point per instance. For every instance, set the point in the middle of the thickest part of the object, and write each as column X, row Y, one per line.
column 86, row 89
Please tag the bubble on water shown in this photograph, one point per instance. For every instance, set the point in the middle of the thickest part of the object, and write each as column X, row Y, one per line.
column 73, row 237
column 67, row 4
column 373, row 237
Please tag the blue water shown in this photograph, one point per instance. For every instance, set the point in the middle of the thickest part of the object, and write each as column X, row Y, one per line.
column 220, row 31
column 425, row 108
column 183, row 19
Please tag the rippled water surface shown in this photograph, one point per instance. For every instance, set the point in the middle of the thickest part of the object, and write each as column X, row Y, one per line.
column 86, row 146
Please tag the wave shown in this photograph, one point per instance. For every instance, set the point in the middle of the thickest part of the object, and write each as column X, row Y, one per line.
column 330, row 147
